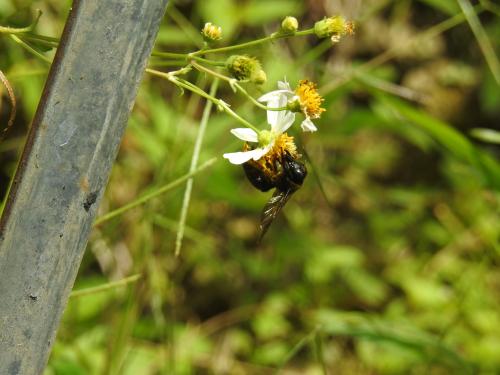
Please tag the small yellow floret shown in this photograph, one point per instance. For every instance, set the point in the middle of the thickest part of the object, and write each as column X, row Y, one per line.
column 310, row 99
column 211, row 32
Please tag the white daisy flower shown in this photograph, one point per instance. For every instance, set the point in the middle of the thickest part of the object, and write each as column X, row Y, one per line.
column 280, row 121
column 304, row 99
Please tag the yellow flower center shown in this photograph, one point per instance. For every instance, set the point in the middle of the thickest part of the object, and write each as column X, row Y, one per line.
column 211, row 32
column 268, row 163
column 310, row 99
column 283, row 143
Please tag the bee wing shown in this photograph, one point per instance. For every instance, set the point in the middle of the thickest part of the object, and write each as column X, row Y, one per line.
column 272, row 209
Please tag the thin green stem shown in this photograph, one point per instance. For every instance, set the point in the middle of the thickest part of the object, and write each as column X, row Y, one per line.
column 168, row 76
column 104, row 287
column 186, row 57
column 270, row 38
column 207, row 61
column 482, row 38
column 302, row 342
column 235, row 85
column 170, row 55
column 172, row 77
column 256, row 102
column 194, row 161
column 18, row 30
column 160, row 63
column 489, row 6
column 154, row 194
column 237, row 117
column 186, row 26
column 46, row 41
column 30, row 49
column 193, row 88
column 318, row 348
column 213, row 73
column 256, row 42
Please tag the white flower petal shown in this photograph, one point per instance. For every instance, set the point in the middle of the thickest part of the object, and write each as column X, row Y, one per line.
column 245, row 134
column 243, row 156
column 284, row 85
column 282, row 103
column 272, row 95
column 308, row 126
column 286, row 120
column 260, row 152
column 273, row 116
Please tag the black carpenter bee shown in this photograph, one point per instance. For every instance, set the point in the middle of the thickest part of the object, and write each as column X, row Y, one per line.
column 286, row 176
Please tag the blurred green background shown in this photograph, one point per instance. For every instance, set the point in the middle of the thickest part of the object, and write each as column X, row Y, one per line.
column 385, row 262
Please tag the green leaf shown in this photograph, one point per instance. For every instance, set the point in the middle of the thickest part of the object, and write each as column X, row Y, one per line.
column 372, row 328
column 452, row 140
column 486, row 135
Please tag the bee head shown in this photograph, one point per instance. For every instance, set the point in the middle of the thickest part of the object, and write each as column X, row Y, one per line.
column 294, row 170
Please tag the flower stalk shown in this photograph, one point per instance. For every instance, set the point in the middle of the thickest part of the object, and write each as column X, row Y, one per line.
column 280, row 105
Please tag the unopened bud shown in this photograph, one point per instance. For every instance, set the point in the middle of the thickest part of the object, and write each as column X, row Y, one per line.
column 334, row 27
column 211, row 32
column 289, row 25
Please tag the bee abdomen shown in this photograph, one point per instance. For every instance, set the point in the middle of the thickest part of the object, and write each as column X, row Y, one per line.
column 258, row 178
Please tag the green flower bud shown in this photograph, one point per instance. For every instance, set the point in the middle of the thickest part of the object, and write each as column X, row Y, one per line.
column 245, row 68
column 334, row 27
column 211, row 32
column 289, row 25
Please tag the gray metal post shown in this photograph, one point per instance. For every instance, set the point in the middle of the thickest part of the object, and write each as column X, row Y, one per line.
column 65, row 165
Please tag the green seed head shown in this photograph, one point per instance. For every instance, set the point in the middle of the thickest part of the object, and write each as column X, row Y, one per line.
column 241, row 67
column 244, row 67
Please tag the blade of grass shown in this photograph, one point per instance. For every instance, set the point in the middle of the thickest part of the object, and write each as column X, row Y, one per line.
column 482, row 38
column 452, row 140
column 391, row 88
column 104, row 287
column 30, row 49
column 153, row 194
column 486, row 135
column 194, row 161
column 316, row 175
column 318, row 348
column 490, row 7
column 185, row 25
column 302, row 342
column 370, row 327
